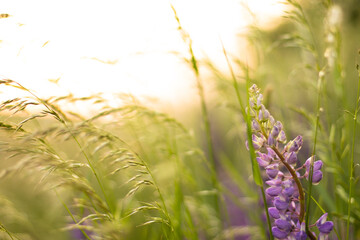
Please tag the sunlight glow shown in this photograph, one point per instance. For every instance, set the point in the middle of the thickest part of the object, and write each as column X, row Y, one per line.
column 112, row 46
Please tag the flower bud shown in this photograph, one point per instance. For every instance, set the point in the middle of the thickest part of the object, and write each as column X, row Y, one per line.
column 283, row 225
column 282, row 137
column 272, row 120
column 278, row 233
column 257, row 141
column 262, row 162
column 281, row 204
column 255, row 125
column 317, row 176
column 271, row 141
column 279, row 125
column 274, row 213
column 266, row 114
column 296, row 144
column 259, row 99
column 273, row 191
column 291, row 158
column 271, row 153
column 274, row 182
column 274, row 132
column 301, row 235
column 272, row 173
column 289, row 191
column 326, row 228
column 318, row 165
column 261, row 117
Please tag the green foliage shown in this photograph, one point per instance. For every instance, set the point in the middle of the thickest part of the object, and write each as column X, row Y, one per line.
column 130, row 172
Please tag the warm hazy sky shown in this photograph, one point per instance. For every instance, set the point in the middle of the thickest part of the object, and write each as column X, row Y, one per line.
column 117, row 45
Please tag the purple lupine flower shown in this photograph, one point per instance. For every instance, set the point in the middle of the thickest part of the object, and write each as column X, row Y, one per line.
column 283, row 190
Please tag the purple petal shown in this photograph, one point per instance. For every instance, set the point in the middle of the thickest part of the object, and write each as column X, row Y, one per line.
column 280, row 204
column 274, row 132
column 274, row 213
column 255, row 125
column 289, row 191
column 274, row 182
column 317, row 165
column 323, row 236
column 259, row 99
column 266, row 114
column 283, row 225
column 279, row 125
column 317, row 176
column 278, row 233
column 262, row 162
column 308, row 161
column 282, row 136
column 272, row 173
column 272, row 120
column 261, row 117
column 287, row 183
column 257, row 141
column 326, row 228
column 273, row 191
column 271, row 153
column 322, row 219
column 301, row 236
column 271, row 141
column 296, row 144
column 291, row 158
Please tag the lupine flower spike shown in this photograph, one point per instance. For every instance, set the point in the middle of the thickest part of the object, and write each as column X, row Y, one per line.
column 283, row 169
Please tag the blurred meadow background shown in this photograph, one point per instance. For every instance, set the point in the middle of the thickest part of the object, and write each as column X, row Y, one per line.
column 125, row 119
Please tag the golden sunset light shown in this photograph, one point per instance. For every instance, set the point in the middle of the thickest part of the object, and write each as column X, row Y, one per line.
column 86, row 47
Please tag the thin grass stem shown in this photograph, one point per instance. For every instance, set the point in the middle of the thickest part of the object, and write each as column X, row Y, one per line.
column 205, row 117
column 71, row 215
column 351, row 168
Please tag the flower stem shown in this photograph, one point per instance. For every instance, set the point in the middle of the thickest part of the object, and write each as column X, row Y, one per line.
column 297, row 181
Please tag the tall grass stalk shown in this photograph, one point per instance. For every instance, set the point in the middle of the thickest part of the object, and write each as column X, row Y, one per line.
column 53, row 111
column 351, row 167
column 205, row 117
column 2, row 228
column 71, row 215
column 318, row 110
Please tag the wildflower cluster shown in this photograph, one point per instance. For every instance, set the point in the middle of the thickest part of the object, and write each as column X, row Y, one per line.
column 283, row 170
